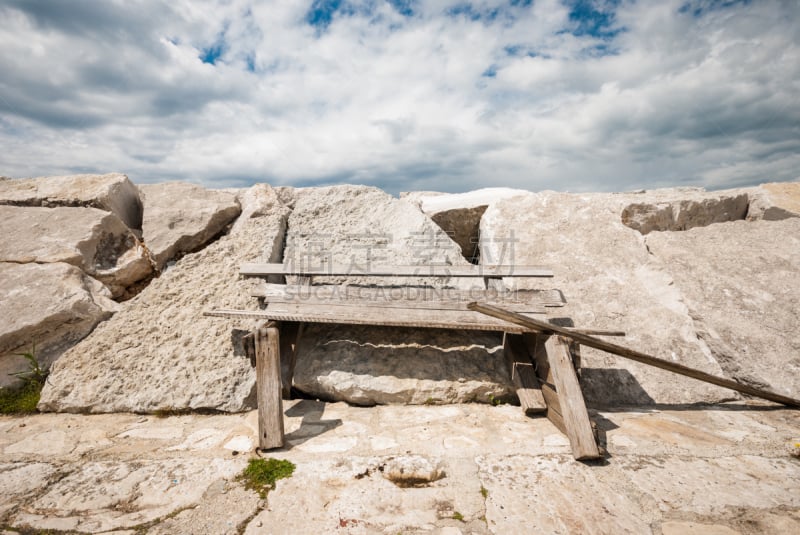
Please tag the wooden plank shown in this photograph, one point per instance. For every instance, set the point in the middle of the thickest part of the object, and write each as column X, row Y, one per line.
column 523, row 375
column 597, row 343
column 387, row 307
column 535, row 345
column 400, row 319
column 513, row 300
column 553, row 408
column 262, row 270
column 571, row 403
column 268, row 387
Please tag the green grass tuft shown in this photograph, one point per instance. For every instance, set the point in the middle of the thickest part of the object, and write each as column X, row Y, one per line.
column 458, row 516
column 261, row 474
column 484, row 492
column 20, row 400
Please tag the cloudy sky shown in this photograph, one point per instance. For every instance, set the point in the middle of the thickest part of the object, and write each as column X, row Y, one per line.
column 589, row 95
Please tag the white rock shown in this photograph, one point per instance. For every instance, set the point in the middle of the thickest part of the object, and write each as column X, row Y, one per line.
column 774, row 201
column 568, row 497
column 159, row 352
column 459, row 214
column 373, row 365
column 361, row 226
column 112, row 192
column 438, row 203
column 94, row 240
column 88, row 500
column 610, row 281
column 239, row 443
column 410, row 470
column 368, row 365
column 53, row 306
column 180, row 218
column 681, row 209
column 741, row 284
column 17, row 480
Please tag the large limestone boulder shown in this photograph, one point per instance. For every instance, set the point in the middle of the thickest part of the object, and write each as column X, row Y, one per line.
column 369, row 365
column 682, row 208
column 610, row 281
column 94, row 240
column 112, row 192
column 774, row 201
column 741, row 284
column 50, row 305
column 180, row 218
column 361, row 226
column 459, row 214
column 159, row 352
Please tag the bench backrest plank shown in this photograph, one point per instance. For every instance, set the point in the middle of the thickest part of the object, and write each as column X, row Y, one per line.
column 263, row 270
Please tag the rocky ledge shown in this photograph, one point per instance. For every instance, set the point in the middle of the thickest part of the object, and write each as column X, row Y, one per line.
column 477, row 469
column 110, row 280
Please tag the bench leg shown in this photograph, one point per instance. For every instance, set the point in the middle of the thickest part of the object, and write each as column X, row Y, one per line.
column 523, row 376
column 268, row 386
column 571, row 405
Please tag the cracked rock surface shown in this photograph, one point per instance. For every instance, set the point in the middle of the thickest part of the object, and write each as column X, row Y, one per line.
column 96, row 241
column 180, row 218
column 610, row 281
column 740, row 284
column 482, row 470
column 112, row 192
column 158, row 351
column 51, row 305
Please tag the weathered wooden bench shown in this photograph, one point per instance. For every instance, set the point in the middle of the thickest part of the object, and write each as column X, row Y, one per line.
column 543, row 367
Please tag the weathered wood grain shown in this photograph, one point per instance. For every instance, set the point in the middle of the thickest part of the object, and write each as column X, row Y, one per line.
column 262, row 270
column 268, row 381
column 523, row 375
column 572, row 406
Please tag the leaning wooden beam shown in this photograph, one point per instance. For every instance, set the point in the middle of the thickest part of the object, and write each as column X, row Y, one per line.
column 522, row 375
column 572, row 406
column 268, row 386
column 587, row 340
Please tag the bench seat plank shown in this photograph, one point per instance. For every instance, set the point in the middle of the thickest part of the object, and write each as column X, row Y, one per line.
column 518, row 301
column 263, row 270
column 446, row 319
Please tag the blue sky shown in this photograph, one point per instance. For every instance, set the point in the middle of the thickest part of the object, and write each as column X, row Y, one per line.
column 583, row 95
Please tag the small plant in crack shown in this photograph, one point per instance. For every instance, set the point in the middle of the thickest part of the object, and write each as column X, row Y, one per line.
column 261, row 475
column 23, row 399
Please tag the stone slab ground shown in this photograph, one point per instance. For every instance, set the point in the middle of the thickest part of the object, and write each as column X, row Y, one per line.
column 676, row 469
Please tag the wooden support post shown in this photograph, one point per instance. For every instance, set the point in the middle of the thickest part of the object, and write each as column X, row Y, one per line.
column 572, row 406
column 268, row 386
column 523, row 375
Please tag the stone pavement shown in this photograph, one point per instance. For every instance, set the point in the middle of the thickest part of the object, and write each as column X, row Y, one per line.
column 720, row 470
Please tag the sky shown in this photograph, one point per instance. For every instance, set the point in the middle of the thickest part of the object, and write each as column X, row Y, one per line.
column 405, row 95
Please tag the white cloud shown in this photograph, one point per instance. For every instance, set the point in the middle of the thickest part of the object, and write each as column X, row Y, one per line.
column 500, row 94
